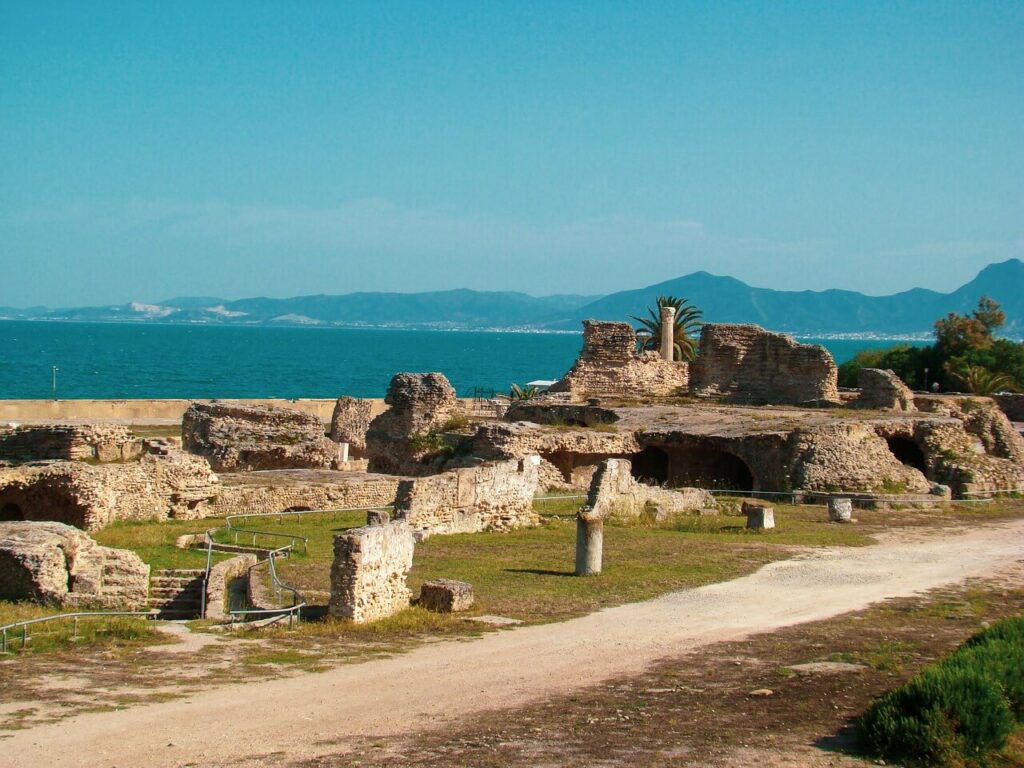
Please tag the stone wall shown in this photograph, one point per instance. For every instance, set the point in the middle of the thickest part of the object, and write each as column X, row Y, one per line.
column 398, row 441
column 614, row 494
column 218, row 585
column 1012, row 404
column 69, row 442
column 369, row 571
column 610, row 366
column 157, row 486
column 883, row 390
column 54, row 563
column 746, row 363
column 349, row 423
column 493, row 496
column 252, row 437
column 275, row 493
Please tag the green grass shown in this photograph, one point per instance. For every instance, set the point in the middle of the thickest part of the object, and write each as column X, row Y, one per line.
column 57, row 635
column 153, row 541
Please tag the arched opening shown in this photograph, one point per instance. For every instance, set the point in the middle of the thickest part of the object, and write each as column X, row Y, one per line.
column 907, row 452
column 11, row 511
column 710, row 468
column 650, row 466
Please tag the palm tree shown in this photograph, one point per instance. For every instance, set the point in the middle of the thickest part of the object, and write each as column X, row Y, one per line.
column 979, row 380
column 686, row 327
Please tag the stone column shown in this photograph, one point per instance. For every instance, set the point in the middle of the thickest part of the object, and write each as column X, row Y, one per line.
column 589, row 546
column 668, row 339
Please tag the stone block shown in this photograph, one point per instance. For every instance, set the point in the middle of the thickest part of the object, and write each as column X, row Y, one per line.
column 759, row 516
column 840, row 510
column 369, row 571
column 446, row 596
column 377, row 516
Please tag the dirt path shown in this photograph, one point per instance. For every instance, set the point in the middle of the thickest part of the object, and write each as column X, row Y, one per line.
column 270, row 722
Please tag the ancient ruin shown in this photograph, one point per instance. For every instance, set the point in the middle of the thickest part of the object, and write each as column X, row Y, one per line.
column 349, row 423
column 446, row 596
column 235, row 437
column 68, row 442
column 882, row 390
column 54, row 563
column 369, row 570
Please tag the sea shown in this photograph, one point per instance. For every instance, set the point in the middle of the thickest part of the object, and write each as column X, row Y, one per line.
column 45, row 360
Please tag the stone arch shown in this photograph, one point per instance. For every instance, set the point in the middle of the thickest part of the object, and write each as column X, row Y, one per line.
column 11, row 511
column 907, row 452
column 650, row 465
column 709, row 468
column 41, row 501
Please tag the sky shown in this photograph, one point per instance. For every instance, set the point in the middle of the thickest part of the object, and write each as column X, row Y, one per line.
column 238, row 149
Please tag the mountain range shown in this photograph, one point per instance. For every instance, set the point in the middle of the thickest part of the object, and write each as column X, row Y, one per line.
column 722, row 299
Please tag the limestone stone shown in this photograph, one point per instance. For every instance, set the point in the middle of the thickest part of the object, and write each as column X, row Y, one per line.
column 378, row 516
column 49, row 562
column 614, row 494
column 68, row 442
column 369, row 571
column 282, row 490
column 233, row 436
column 883, row 390
column 349, row 423
column 746, row 363
column 446, row 596
column 840, row 510
column 400, row 439
column 759, row 516
column 610, row 366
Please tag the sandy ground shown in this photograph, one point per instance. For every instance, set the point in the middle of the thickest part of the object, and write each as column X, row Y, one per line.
column 268, row 723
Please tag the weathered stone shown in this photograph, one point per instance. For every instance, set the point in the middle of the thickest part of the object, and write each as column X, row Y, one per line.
column 235, row 437
column 369, row 571
column 349, row 423
column 840, row 510
column 492, row 496
column 746, row 363
column 398, row 440
column 610, row 366
column 50, row 562
column 446, row 596
column 883, row 390
column 157, row 486
column 378, row 516
column 615, row 494
column 759, row 516
column 219, row 583
column 296, row 489
column 68, row 442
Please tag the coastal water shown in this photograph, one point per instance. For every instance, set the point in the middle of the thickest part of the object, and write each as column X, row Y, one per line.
column 114, row 360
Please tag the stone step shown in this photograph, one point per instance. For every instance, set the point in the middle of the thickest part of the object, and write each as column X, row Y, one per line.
column 174, row 603
column 177, row 615
column 164, row 592
column 175, row 582
column 193, row 572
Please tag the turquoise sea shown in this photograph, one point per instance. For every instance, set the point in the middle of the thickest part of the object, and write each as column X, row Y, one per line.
column 113, row 360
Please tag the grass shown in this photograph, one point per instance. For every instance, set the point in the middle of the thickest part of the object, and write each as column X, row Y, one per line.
column 153, row 541
column 121, row 631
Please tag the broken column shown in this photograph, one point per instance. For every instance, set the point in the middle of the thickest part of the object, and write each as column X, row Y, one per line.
column 760, row 516
column 369, row 571
column 589, row 542
column 668, row 335
column 840, row 510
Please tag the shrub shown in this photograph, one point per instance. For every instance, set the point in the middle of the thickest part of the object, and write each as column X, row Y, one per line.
column 939, row 716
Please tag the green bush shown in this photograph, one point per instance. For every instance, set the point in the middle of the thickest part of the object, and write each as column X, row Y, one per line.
column 939, row 716
column 960, row 709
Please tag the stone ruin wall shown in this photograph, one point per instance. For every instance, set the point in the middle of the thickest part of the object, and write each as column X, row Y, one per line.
column 610, row 366
column 54, row 563
column 493, row 496
column 68, row 442
column 234, row 437
column 90, row 497
column 369, row 571
column 614, row 494
column 882, row 390
column 420, row 403
column 345, row 493
column 349, row 424
column 749, row 364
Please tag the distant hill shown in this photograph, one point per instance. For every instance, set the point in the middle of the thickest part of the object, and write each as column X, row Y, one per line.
column 723, row 299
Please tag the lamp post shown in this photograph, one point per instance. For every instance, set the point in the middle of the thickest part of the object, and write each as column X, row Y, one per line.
column 55, row 369
column 925, row 379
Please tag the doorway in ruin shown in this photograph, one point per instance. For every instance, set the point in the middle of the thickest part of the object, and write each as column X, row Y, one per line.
column 650, row 466
column 907, row 452
column 11, row 511
column 709, row 468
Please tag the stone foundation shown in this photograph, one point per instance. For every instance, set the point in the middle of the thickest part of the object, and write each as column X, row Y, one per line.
column 58, row 564
column 614, row 494
column 369, row 571
column 68, row 442
column 301, row 489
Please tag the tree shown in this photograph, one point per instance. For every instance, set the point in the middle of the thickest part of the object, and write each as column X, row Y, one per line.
column 981, row 381
column 685, row 328
column 956, row 334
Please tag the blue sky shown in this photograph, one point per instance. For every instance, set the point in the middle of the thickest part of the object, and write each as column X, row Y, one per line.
column 242, row 149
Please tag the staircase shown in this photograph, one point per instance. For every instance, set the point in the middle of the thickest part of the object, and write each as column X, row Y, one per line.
column 177, row 593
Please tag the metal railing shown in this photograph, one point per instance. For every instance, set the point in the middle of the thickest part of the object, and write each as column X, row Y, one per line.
column 25, row 624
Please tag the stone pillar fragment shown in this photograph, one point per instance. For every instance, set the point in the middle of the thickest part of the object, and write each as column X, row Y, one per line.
column 668, row 338
column 369, row 571
column 840, row 510
column 589, row 546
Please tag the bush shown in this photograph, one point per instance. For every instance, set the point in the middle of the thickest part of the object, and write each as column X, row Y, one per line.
column 939, row 716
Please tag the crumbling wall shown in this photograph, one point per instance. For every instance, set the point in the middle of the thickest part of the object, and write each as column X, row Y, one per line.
column 157, row 486
column 54, row 563
column 237, row 437
column 883, row 390
column 615, row 494
column 981, row 417
column 68, row 442
column 609, row 366
column 347, row 491
column 349, row 423
column 493, row 496
column 400, row 438
column 746, row 363
column 369, row 571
